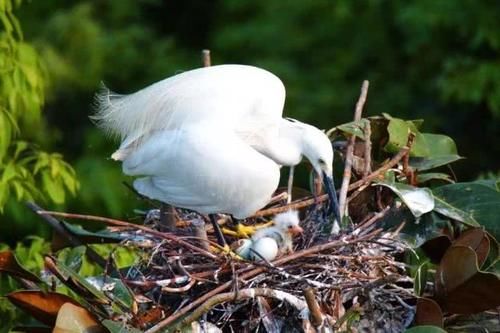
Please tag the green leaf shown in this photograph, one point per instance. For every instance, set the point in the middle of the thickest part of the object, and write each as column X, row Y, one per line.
column 425, row 329
column 352, row 128
column 471, row 203
column 425, row 177
column 427, row 163
column 440, row 145
column 74, row 258
column 398, row 136
column 53, row 187
column 115, row 289
column 418, row 199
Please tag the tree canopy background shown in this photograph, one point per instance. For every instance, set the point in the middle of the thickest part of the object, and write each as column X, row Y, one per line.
column 436, row 60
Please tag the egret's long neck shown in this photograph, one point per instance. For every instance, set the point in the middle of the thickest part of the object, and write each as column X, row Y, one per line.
column 287, row 148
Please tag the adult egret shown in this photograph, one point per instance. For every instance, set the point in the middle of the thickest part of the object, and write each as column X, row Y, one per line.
column 212, row 139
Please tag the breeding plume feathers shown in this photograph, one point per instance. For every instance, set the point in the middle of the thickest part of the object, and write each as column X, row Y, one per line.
column 190, row 98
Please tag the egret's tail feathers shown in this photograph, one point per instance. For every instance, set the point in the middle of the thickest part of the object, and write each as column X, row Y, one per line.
column 108, row 115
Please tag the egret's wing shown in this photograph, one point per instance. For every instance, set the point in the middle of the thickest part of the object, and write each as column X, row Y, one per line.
column 243, row 98
column 202, row 167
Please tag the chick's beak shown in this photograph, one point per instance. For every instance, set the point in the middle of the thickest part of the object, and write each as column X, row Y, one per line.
column 295, row 230
column 332, row 195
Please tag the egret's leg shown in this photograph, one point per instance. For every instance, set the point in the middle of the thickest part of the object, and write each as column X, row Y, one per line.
column 218, row 233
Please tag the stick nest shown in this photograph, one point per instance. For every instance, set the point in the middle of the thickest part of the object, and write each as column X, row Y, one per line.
column 348, row 281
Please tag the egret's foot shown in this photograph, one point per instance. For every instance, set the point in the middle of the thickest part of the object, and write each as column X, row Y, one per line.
column 245, row 231
column 226, row 250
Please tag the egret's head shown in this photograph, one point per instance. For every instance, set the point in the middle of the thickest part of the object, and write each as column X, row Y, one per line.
column 288, row 222
column 317, row 148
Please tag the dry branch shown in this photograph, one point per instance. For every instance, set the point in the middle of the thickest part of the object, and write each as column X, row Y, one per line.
column 350, row 151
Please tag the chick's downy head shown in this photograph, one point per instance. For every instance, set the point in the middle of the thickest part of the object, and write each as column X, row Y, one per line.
column 288, row 222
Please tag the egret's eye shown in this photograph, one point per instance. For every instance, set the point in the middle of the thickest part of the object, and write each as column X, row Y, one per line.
column 321, row 162
column 289, row 227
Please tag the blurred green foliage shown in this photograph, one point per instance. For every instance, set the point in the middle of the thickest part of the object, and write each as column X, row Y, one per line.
column 27, row 172
column 437, row 60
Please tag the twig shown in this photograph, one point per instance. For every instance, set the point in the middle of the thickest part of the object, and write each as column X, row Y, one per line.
column 314, row 310
column 249, row 274
column 368, row 149
column 205, row 58
column 350, row 151
column 392, row 162
column 372, row 220
column 114, row 222
column 61, row 230
column 179, row 289
column 296, row 302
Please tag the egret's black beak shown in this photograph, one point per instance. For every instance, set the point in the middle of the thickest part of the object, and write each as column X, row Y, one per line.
column 332, row 195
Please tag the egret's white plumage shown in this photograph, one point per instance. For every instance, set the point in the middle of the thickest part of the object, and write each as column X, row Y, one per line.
column 211, row 139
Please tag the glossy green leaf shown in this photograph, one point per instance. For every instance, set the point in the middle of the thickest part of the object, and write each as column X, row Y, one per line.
column 418, row 199
column 425, row 177
column 440, row 145
column 74, row 258
column 471, row 203
column 428, row 163
column 115, row 289
column 425, row 329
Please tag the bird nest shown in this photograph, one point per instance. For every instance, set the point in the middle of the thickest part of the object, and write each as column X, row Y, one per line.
column 352, row 281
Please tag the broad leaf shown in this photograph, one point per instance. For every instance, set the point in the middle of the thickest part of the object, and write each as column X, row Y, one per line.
column 73, row 318
column 478, row 241
column 398, row 136
column 428, row 163
column 428, row 313
column 460, row 286
column 419, row 200
column 42, row 306
column 435, row 248
column 440, row 145
column 471, row 203
column 10, row 265
column 425, row 177
column 115, row 289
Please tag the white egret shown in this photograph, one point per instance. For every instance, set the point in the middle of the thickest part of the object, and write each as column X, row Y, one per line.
column 212, row 139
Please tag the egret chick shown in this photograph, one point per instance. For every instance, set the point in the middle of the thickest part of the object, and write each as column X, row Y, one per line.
column 271, row 241
column 286, row 226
